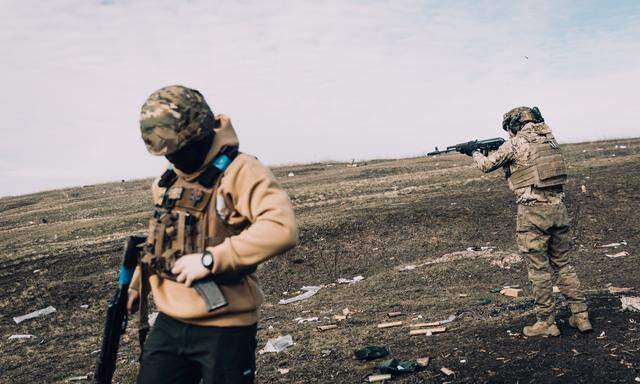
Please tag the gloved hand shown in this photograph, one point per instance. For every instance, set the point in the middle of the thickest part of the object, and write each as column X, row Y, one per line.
column 468, row 148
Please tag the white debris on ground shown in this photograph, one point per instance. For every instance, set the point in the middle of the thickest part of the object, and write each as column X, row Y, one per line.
column 15, row 337
column 291, row 174
column 619, row 254
column 78, row 378
column 342, row 280
column 410, row 267
column 630, row 303
column 41, row 312
column 277, row 345
column 309, row 291
column 301, row 320
column 614, row 245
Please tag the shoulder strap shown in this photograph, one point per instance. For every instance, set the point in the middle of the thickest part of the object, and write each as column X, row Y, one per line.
column 217, row 166
column 168, row 178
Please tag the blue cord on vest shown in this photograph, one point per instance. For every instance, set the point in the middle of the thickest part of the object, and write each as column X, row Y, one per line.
column 221, row 162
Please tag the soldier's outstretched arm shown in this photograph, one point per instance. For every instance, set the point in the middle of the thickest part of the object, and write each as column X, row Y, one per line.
column 495, row 160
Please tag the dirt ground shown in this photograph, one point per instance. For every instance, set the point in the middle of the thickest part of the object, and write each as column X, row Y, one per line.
column 404, row 225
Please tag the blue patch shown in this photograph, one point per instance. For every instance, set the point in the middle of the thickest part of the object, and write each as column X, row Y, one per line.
column 222, row 162
column 125, row 275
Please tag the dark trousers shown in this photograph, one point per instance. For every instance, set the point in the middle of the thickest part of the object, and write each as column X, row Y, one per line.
column 176, row 352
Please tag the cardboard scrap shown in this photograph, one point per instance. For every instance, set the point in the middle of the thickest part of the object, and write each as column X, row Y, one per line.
column 423, row 361
column 618, row 290
column 389, row 325
column 511, row 292
column 376, row 378
column 427, row 331
column 446, row 371
column 630, row 303
column 556, row 289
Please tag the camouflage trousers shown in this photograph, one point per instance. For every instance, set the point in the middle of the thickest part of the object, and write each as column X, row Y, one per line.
column 544, row 238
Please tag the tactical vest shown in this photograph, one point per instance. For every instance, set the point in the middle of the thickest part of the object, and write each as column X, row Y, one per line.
column 544, row 168
column 187, row 220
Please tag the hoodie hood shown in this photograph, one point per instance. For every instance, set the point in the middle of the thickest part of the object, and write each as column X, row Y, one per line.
column 225, row 136
column 533, row 131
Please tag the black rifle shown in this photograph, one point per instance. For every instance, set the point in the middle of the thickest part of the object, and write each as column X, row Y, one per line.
column 116, row 320
column 484, row 146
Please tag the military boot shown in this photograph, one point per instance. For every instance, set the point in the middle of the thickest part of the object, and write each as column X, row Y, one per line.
column 542, row 327
column 581, row 321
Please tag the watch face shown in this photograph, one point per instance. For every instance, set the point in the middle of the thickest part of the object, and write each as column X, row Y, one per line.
column 207, row 260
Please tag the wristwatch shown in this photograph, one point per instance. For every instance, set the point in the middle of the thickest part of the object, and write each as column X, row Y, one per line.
column 207, row 259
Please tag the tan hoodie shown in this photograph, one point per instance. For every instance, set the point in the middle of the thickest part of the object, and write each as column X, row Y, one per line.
column 248, row 192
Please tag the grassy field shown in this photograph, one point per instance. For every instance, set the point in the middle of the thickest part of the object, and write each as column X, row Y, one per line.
column 62, row 247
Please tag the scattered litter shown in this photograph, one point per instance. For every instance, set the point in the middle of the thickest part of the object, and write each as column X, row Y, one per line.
column 283, row 371
column 618, row 290
column 326, row 352
column 309, row 291
column 463, row 295
column 37, row 270
column 376, row 378
column 463, row 361
column 277, row 345
column 389, row 325
column 41, row 312
column 346, row 312
column 291, row 174
column 602, row 336
column 495, row 290
column 446, row 371
column 327, row 327
column 435, row 323
column 410, row 267
column 619, row 254
column 423, row 361
column 371, row 352
column 301, row 320
column 397, row 366
column 485, row 302
column 631, row 303
column 614, row 245
column 339, row 317
column 583, row 188
column 637, row 379
column 44, row 220
column 512, row 333
column 511, row 292
column 14, row 337
column 78, row 378
column 342, row 280
column 556, row 289
column 84, row 306
column 427, row 331
column 394, row 314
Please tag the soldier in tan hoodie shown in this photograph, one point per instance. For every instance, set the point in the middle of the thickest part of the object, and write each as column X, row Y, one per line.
column 536, row 175
column 218, row 214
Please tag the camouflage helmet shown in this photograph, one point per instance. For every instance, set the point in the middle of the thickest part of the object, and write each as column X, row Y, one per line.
column 517, row 117
column 173, row 117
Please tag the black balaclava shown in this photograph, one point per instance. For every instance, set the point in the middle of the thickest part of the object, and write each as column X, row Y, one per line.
column 190, row 158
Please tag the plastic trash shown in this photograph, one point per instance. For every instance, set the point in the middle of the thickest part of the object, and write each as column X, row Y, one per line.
column 309, row 291
column 371, row 352
column 397, row 366
column 277, row 345
column 41, row 312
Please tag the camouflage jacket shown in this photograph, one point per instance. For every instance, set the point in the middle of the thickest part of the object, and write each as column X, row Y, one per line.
column 514, row 153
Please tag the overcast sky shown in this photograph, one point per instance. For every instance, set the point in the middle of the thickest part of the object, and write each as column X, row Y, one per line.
column 303, row 80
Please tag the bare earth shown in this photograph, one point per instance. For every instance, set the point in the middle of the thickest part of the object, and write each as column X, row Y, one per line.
column 372, row 220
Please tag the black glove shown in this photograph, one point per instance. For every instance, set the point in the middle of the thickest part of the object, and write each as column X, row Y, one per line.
column 468, row 148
